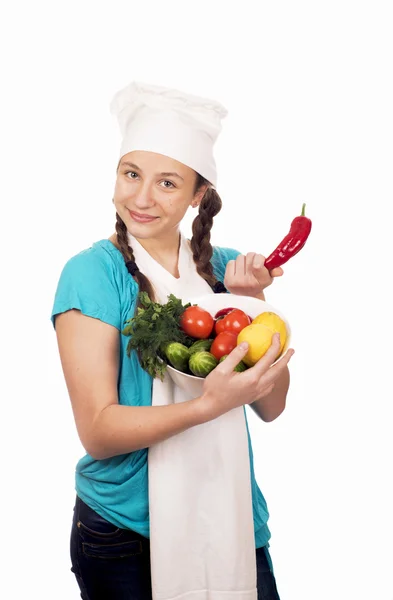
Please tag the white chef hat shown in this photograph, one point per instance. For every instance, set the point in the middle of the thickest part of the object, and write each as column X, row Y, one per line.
column 169, row 122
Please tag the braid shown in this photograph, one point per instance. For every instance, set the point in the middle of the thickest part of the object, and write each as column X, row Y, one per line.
column 128, row 255
column 122, row 240
column 201, row 247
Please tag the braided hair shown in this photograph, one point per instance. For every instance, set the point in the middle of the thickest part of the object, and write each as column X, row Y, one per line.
column 128, row 255
column 201, row 247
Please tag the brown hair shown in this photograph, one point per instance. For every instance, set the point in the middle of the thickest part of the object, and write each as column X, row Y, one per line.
column 201, row 247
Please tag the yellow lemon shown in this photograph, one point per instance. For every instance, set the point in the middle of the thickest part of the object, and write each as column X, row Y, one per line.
column 259, row 338
column 275, row 323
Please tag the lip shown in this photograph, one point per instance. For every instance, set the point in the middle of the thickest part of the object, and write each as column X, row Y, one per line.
column 140, row 218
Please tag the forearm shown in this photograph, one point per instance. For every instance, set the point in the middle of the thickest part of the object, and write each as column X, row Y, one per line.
column 270, row 407
column 122, row 429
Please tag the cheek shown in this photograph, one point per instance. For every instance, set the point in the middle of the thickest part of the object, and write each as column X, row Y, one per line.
column 177, row 204
column 175, row 208
column 122, row 190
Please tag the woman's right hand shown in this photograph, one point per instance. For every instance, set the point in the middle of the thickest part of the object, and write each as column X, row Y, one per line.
column 225, row 389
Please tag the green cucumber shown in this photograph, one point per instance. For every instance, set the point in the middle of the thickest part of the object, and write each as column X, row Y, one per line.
column 178, row 355
column 202, row 363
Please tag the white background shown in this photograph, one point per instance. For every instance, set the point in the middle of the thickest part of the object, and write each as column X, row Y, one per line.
column 308, row 86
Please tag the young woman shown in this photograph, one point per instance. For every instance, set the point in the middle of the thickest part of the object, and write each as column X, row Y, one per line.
column 167, row 504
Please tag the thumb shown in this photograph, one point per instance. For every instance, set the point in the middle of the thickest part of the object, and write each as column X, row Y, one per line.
column 277, row 272
column 233, row 358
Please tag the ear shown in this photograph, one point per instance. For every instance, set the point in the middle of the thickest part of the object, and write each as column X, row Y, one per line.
column 198, row 196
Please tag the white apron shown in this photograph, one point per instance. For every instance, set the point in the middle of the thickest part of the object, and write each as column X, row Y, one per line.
column 201, row 521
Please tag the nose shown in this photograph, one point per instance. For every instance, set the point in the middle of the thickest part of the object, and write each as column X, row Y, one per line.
column 144, row 195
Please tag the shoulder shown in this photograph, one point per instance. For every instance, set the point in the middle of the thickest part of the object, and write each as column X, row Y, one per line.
column 94, row 281
column 100, row 259
column 224, row 254
column 221, row 256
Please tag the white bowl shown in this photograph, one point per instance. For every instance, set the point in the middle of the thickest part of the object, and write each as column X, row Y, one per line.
column 213, row 303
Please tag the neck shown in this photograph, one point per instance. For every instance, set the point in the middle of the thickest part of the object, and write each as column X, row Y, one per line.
column 165, row 247
column 165, row 251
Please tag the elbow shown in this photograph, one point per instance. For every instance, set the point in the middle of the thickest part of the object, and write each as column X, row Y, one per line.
column 271, row 407
column 98, row 446
column 95, row 446
column 271, row 416
column 94, row 449
column 98, row 451
column 97, row 439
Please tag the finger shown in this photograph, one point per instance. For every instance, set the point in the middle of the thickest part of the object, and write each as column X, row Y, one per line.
column 269, row 357
column 232, row 360
column 260, row 272
column 275, row 371
column 250, row 261
column 284, row 359
column 240, row 265
column 230, row 268
column 259, row 261
column 277, row 272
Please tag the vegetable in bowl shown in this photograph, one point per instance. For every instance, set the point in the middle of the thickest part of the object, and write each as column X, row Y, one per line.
column 191, row 339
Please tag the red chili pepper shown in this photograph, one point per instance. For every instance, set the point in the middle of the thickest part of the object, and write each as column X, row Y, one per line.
column 292, row 243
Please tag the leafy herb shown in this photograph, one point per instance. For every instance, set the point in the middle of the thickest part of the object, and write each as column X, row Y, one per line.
column 153, row 327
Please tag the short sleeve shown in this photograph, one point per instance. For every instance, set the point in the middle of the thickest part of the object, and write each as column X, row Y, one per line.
column 220, row 259
column 88, row 283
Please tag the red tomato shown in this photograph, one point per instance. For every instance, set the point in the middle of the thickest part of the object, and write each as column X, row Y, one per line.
column 219, row 326
column 197, row 322
column 235, row 321
column 223, row 344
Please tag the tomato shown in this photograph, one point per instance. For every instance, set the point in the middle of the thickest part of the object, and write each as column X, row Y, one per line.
column 223, row 344
column 219, row 325
column 235, row 321
column 197, row 322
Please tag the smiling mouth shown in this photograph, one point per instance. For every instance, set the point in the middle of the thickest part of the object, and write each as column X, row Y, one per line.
column 140, row 218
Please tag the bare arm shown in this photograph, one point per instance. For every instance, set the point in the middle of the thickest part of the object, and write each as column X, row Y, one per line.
column 246, row 275
column 89, row 353
column 271, row 406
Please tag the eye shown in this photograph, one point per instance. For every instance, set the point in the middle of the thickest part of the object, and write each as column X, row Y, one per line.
column 168, row 184
column 131, row 174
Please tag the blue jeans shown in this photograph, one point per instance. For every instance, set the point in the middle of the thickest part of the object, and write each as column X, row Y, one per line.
column 114, row 564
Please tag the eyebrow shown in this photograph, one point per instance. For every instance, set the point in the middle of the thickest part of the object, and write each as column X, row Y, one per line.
column 163, row 174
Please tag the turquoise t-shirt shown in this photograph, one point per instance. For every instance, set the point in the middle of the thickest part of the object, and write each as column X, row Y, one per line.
column 97, row 282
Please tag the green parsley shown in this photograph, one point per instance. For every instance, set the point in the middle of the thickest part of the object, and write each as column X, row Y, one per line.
column 153, row 327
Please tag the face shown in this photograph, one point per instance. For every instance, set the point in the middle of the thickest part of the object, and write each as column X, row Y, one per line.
column 153, row 193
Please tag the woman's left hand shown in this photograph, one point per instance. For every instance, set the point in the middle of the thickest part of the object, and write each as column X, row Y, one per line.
column 248, row 276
